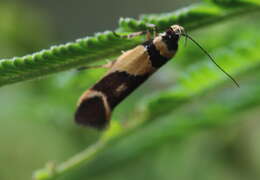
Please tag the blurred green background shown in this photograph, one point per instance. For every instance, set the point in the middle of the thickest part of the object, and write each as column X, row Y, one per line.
column 36, row 119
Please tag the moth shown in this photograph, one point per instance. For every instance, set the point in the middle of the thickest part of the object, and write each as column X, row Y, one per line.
column 126, row 74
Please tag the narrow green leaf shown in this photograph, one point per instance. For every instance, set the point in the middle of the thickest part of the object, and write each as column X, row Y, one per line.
column 63, row 57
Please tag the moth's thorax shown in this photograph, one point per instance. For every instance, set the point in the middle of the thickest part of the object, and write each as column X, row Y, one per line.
column 162, row 47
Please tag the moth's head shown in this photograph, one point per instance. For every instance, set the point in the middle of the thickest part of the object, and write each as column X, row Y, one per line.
column 172, row 36
column 175, row 31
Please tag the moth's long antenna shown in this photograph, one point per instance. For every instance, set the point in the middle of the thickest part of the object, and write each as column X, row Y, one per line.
column 211, row 58
column 186, row 37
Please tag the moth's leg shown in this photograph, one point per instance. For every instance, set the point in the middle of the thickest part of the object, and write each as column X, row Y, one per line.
column 135, row 34
column 129, row 36
column 151, row 32
column 154, row 29
column 148, row 35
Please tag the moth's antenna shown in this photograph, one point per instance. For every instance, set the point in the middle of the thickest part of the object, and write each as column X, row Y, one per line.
column 186, row 37
column 210, row 57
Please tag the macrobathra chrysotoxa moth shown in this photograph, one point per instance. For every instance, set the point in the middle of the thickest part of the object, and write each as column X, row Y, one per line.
column 127, row 73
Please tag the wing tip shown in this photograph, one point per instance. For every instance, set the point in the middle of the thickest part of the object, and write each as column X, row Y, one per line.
column 92, row 112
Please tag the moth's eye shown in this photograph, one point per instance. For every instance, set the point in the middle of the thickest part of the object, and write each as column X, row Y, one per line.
column 169, row 31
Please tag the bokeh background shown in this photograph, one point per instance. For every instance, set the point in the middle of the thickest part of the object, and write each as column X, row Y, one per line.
column 36, row 117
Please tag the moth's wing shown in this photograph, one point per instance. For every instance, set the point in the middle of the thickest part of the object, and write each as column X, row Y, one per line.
column 126, row 74
column 93, row 112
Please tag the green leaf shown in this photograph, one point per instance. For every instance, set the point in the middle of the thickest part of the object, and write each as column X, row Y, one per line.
column 59, row 58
